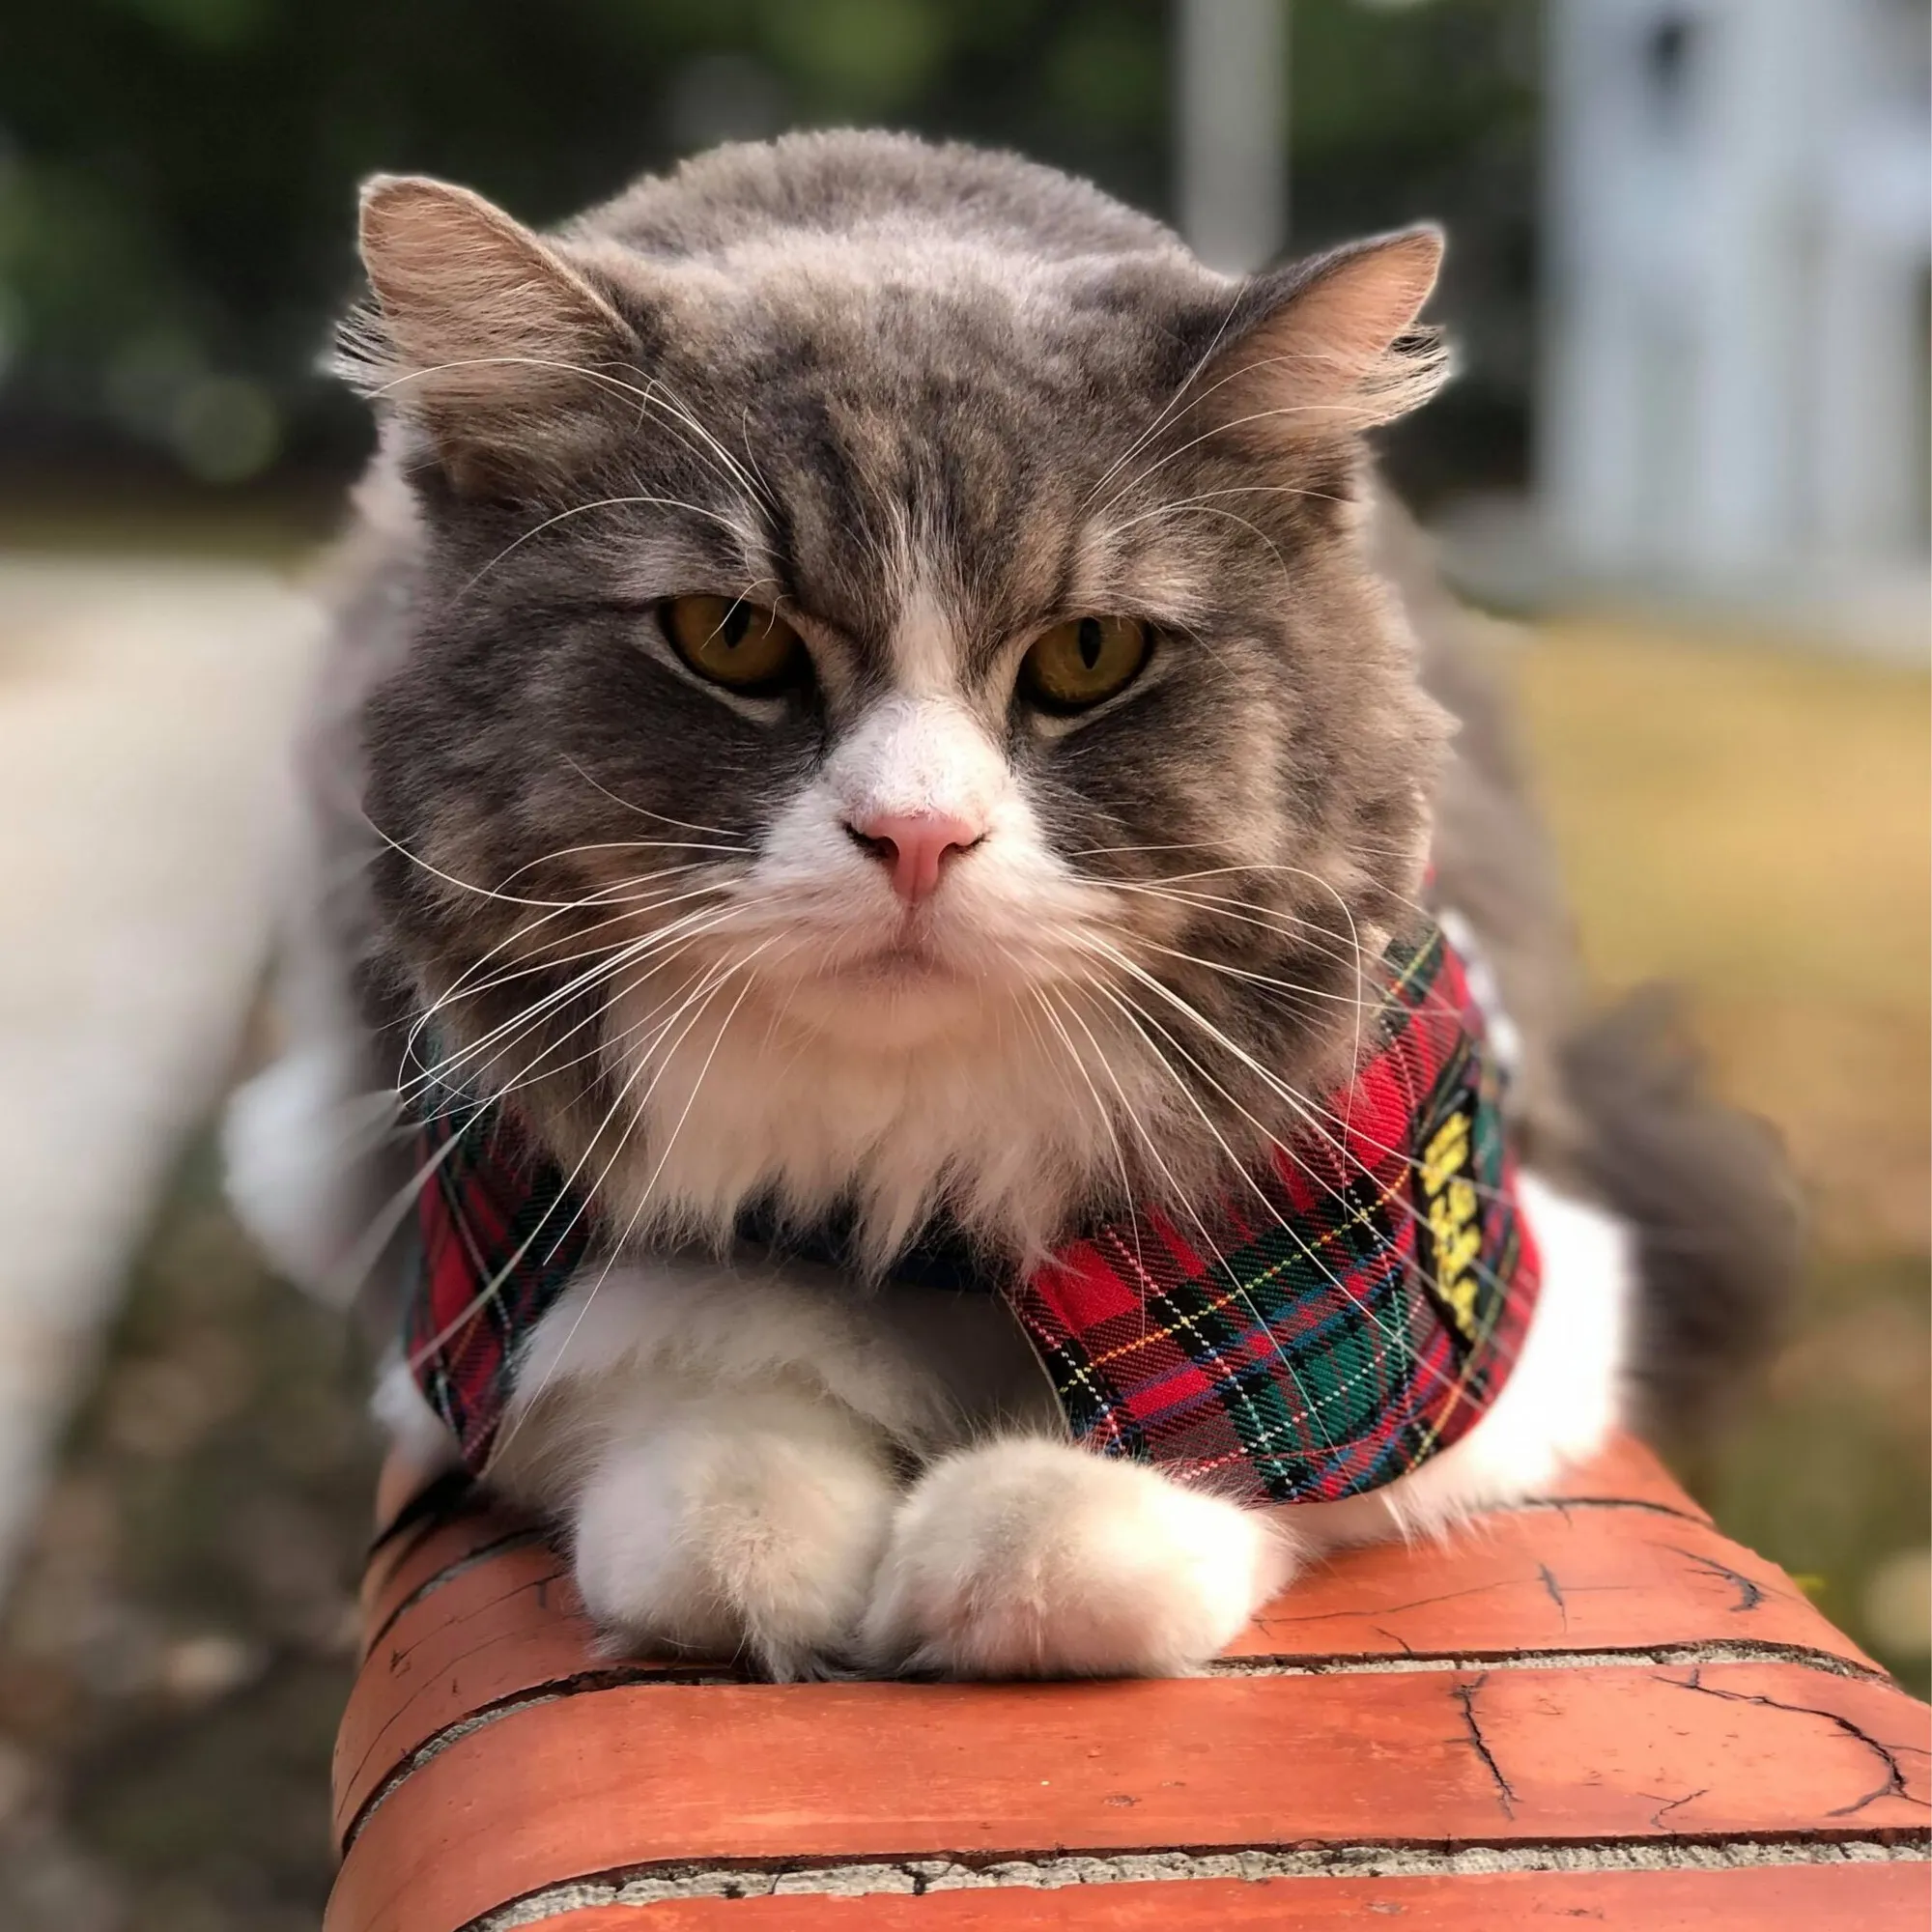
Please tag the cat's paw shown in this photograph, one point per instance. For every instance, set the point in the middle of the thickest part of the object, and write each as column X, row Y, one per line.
column 747, row 1528
column 1032, row 1559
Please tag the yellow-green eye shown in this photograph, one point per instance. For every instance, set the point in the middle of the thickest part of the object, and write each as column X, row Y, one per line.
column 1084, row 660
column 732, row 643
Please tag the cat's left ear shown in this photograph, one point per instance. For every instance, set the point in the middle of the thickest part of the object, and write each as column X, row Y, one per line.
column 486, row 334
column 1329, row 344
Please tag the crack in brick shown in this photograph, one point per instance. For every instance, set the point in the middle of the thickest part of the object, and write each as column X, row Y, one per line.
column 1750, row 1594
column 1387, row 1610
column 618, row 1674
column 401, row 1654
column 1465, row 1695
column 1729, row 1649
column 1894, row 1785
column 1563, row 1505
column 1553, row 1591
column 1657, row 1823
column 617, row 1677
column 517, row 1539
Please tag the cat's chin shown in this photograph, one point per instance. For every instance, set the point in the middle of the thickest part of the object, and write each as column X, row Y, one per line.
column 900, row 970
column 889, row 1002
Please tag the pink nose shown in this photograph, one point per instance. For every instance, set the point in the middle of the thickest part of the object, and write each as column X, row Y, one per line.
column 914, row 844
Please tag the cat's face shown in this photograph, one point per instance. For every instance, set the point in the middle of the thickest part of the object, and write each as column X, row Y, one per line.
column 862, row 682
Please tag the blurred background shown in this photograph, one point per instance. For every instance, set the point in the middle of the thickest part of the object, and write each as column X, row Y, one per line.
column 1687, row 461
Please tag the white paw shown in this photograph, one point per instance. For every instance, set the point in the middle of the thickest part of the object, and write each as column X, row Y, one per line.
column 740, row 1527
column 1034, row 1558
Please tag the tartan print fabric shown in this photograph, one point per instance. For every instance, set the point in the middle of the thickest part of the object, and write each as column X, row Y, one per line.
column 500, row 1236
column 1318, row 1331
column 1354, row 1310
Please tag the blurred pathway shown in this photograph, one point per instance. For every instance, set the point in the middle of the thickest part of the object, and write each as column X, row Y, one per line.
column 143, row 706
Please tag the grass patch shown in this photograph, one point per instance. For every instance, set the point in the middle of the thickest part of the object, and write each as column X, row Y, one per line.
column 1753, row 824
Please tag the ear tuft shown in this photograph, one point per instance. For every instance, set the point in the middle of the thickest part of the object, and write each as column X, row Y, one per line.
column 480, row 328
column 451, row 270
column 1333, row 344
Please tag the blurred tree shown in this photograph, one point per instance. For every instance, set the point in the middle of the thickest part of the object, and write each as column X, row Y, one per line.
column 177, row 176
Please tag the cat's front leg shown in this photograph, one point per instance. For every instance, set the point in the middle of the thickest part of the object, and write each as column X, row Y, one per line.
column 741, row 1525
column 1032, row 1559
column 723, row 1452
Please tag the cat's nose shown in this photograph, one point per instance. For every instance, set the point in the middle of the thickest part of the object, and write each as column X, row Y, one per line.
column 913, row 845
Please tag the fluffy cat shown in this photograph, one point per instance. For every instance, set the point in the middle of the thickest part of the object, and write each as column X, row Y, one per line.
column 872, row 687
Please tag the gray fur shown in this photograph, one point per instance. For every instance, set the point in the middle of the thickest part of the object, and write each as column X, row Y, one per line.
column 880, row 337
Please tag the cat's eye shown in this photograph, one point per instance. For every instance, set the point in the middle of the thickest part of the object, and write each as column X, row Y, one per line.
column 736, row 643
column 1084, row 660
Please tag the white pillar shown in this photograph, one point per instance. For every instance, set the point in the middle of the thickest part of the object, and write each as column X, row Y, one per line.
column 1231, row 128
column 1755, row 114
column 1870, row 385
column 1592, row 416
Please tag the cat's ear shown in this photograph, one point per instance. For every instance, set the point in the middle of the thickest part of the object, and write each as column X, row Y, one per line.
column 1330, row 344
column 479, row 331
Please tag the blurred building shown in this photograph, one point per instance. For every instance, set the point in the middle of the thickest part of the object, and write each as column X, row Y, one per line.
column 1738, row 238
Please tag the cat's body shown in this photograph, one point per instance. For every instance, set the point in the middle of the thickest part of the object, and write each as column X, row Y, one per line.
column 900, row 929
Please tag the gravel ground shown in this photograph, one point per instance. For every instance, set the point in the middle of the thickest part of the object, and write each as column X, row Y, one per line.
column 181, row 1635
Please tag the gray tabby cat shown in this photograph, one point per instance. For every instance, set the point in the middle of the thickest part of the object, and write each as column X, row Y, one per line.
column 869, row 678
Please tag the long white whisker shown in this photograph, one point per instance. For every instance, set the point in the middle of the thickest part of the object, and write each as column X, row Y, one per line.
column 1252, row 977
column 704, row 920
column 1303, row 1109
column 617, row 1245
column 643, row 501
column 1167, row 410
column 1107, row 1122
column 1395, row 1337
column 645, row 812
column 490, row 1289
column 1210, row 1246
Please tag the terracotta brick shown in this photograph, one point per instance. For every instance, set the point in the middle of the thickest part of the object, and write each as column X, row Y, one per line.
column 420, row 1556
column 1626, row 1471
column 1432, row 1697
column 1765, row 1898
column 1585, row 1579
column 645, row 1773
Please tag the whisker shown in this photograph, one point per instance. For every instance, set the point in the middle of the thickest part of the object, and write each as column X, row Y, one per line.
column 682, row 824
column 617, row 1245
column 489, row 1290
column 641, row 501
column 1303, row 1108
column 691, row 924
column 1167, row 410
column 1209, row 1247
column 1106, row 1119
column 1258, row 979
column 1396, row 1337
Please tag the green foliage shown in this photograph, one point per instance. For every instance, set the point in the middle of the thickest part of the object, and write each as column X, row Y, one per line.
column 871, row 57
column 177, row 176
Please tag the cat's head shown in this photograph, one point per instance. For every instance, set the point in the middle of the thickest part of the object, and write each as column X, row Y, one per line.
column 897, row 709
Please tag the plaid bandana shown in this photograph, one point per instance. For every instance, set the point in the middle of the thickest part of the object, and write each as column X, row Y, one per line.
column 1321, row 1331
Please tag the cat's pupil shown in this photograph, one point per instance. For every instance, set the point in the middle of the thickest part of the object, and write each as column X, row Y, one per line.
column 737, row 621
column 1089, row 642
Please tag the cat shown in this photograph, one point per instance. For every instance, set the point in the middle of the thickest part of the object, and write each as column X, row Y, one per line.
column 873, row 693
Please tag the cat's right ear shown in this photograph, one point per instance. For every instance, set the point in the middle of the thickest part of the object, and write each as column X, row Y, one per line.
column 480, row 331
column 1331, row 345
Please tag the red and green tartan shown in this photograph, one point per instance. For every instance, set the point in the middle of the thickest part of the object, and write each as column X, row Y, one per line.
column 1318, row 1331
column 500, row 1236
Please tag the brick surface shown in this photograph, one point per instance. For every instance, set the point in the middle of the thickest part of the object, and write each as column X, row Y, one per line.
column 1602, row 1672
column 1805, row 1898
